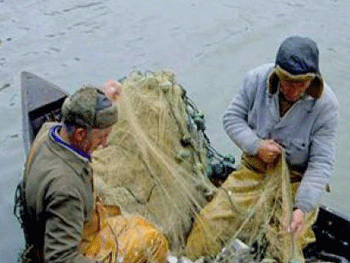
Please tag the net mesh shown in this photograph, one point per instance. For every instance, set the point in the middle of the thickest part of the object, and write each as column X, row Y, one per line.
column 156, row 166
column 264, row 227
column 156, row 160
column 255, row 208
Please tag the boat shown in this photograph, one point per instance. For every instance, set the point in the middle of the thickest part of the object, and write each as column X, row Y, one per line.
column 42, row 101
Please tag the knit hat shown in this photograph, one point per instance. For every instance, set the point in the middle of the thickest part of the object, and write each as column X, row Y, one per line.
column 89, row 107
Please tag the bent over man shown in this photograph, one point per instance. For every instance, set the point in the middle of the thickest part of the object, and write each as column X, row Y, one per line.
column 285, row 106
column 57, row 188
column 288, row 105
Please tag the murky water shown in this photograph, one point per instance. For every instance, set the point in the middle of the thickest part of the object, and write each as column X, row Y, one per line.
column 209, row 44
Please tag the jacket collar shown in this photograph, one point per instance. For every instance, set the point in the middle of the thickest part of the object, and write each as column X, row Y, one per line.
column 53, row 133
column 80, row 164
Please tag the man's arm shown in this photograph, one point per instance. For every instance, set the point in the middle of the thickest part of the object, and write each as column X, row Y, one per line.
column 321, row 159
column 319, row 169
column 235, row 118
column 64, row 225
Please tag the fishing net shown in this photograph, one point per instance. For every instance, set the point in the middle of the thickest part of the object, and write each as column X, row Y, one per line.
column 155, row 164
column 255, row 208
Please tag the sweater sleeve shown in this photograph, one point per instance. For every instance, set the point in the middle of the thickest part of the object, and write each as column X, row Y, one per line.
column 235, row 118
column 321, row 159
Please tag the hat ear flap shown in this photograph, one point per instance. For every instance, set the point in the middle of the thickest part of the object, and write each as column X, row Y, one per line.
column 316, row 87
column 272, row 82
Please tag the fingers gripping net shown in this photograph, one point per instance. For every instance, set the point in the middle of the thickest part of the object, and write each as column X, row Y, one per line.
column 156, row 159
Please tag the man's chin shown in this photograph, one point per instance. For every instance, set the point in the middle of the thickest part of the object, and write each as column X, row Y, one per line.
column 291, row 99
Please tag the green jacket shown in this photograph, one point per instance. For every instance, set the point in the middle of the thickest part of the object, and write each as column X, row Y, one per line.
column 58, row 192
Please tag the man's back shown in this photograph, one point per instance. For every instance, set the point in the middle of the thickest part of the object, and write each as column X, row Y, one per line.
column 58, row 197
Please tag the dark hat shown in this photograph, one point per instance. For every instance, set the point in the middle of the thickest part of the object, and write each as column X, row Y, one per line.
column 298, row 56
column 89, row 107
column 297, row 59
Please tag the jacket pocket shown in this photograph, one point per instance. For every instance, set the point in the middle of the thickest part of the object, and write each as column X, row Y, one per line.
column 298, row 151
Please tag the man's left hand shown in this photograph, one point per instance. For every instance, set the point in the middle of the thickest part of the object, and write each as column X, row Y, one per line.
column 298, row 222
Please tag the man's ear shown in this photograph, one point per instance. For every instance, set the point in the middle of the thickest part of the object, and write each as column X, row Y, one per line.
column 79, row 135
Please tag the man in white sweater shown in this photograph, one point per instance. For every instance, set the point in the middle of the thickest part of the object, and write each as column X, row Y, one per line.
column 281, row 107
column 288, row 105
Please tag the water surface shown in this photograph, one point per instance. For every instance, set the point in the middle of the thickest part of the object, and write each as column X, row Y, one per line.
column 209, row 44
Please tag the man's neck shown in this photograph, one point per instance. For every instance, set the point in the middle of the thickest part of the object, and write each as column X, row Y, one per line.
column 284, row 104
column 64, row 135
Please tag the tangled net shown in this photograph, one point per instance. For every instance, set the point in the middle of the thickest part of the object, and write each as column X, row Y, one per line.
column 264, row 224
column 157, row 165
column 156, row 161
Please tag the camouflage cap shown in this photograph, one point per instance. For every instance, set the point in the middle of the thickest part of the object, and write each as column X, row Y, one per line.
column 89, row 107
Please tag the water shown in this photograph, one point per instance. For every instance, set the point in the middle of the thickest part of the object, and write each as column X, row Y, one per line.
column 209, row 44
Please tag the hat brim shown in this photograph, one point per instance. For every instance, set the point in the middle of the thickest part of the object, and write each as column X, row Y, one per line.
column 285, row 75
column 315, row 89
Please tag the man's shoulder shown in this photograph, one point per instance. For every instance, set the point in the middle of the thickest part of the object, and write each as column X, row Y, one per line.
column 56, row 179
column 255, row 81
column 44, row 131
column 51, row 163
column 257, row 77
column 328, row 98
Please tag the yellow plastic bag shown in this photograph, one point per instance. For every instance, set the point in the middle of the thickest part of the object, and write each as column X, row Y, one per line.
column 99, row 240
column 139, row 240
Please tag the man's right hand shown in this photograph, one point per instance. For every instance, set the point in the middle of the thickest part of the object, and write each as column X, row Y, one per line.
column 112, row 89
column 269, row 150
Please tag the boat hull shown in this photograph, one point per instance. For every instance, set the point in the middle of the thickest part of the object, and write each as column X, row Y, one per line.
column 41, row 102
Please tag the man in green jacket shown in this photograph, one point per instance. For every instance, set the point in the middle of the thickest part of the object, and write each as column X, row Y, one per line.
column 57, row 189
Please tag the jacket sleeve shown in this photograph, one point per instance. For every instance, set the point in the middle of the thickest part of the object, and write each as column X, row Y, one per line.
column 235, row 118
column 64, row 223
column 321, row 159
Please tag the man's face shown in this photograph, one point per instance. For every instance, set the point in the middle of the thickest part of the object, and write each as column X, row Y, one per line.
column 97, row 139
column 294, row 90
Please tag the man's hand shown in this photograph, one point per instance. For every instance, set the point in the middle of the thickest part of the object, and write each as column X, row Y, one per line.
column 269, row 150
column 112, row 89
column 298, row 222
